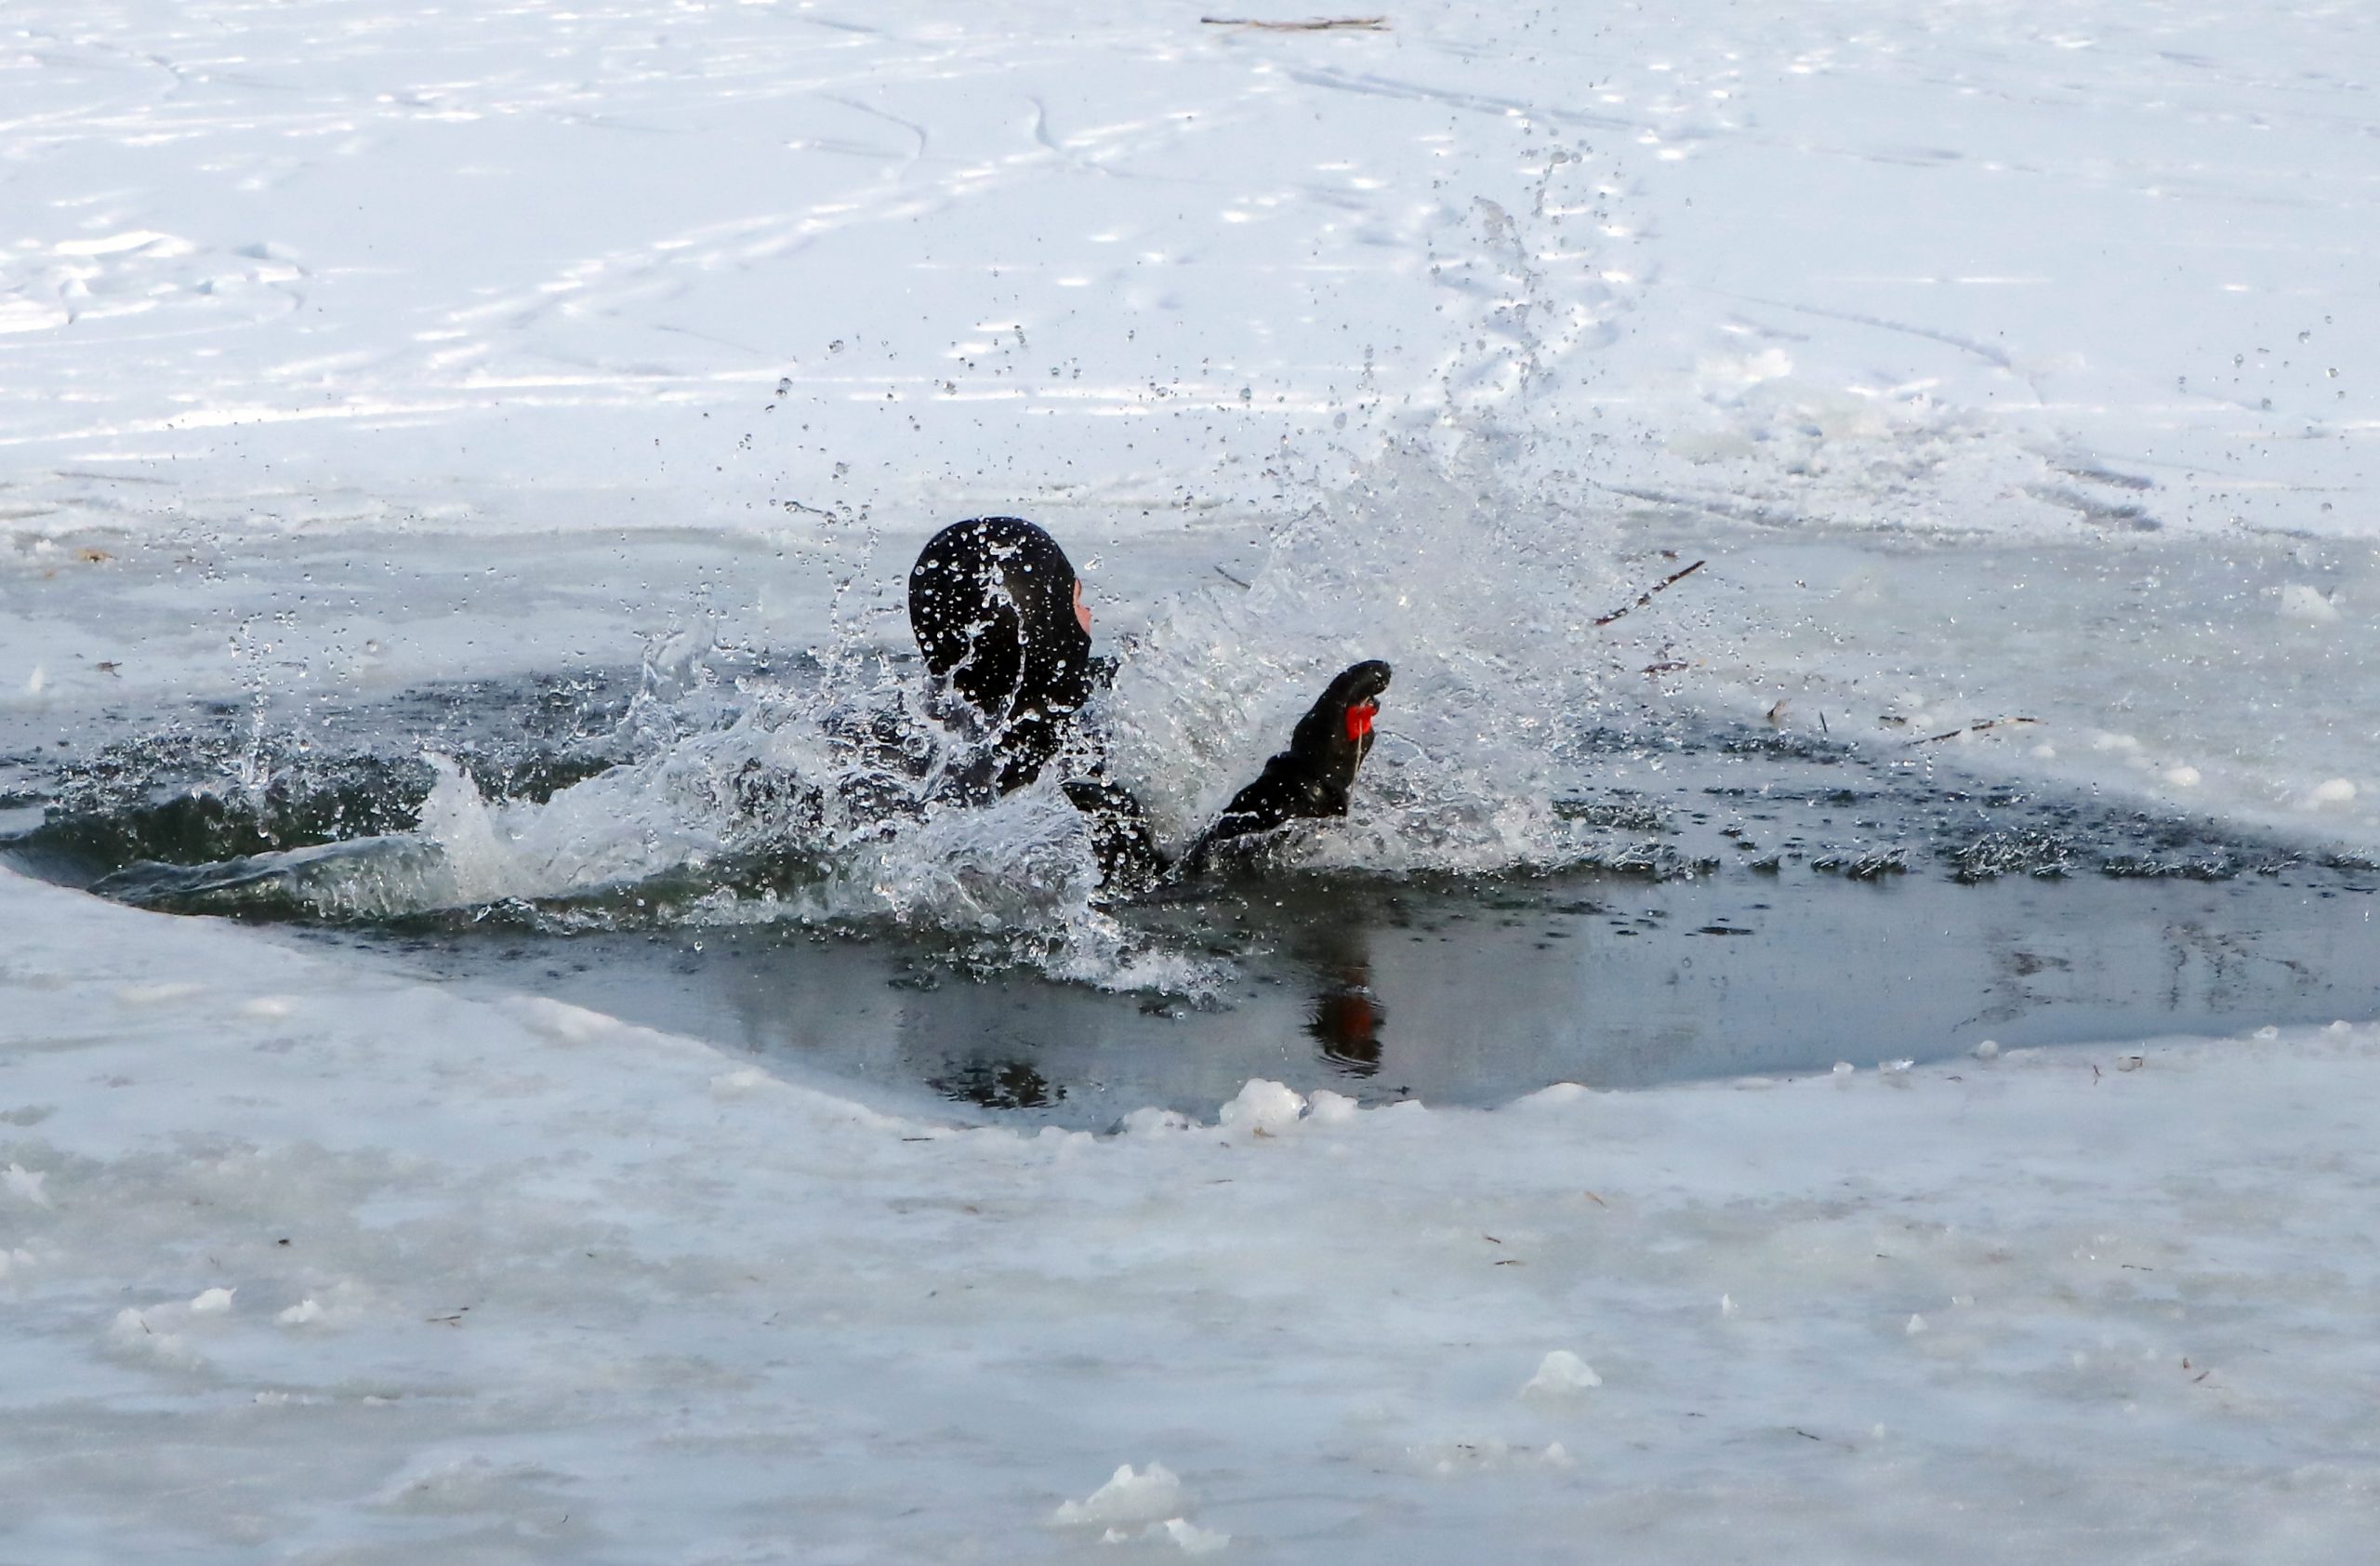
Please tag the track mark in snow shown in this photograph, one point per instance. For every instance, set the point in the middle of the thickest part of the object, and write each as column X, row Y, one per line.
column 1383, row 87
column 924, row 140
column 1984, row 351
column 2129, row 515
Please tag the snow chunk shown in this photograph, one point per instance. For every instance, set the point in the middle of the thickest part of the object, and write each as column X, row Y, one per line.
column 25, row 1184
column 1987, row 1050
column 2308, row 605
column 1561, row 1375
column 305, row 1311
column 1916, row 1324
column 1326, row 1107
column 1150, row 1121
column 213, row 1302
column 1263, row 1108
column 2334, row 790
column 1193, row 1539
column 132, row 1336
column 1151, row 1495
column 738, row 1084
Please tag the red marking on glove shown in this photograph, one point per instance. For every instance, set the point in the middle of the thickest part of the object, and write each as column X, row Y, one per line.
column 1359, row 720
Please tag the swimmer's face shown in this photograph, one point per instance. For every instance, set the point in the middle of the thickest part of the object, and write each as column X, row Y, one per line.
column 1082, row 610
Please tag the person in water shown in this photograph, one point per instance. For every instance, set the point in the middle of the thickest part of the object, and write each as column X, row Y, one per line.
column 1000, row 616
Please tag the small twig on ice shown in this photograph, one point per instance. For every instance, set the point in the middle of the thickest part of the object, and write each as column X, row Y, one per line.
column 1646, row 596
column 1973, row 728
column 1232, row 579
column 1319, row 24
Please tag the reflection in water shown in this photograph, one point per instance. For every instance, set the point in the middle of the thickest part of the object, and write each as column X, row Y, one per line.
column 1629, row 986
column 1347, row 1023
column 1346, row 1015
column 998, row 1084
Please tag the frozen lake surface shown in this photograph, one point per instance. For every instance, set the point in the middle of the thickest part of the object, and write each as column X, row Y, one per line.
column 446, row 456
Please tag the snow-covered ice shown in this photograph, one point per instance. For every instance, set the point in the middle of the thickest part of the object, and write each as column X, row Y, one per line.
column 2009, row 361
column 510, row 1280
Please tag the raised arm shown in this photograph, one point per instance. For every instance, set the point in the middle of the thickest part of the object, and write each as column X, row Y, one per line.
column 1313, row 776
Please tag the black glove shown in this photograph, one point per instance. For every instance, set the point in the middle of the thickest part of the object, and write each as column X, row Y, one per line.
column 1313, row 775
column 1328, row 744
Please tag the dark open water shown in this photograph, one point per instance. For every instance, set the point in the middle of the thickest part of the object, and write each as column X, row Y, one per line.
column 1769, row 907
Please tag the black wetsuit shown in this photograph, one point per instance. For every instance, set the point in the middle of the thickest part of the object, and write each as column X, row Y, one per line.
column 992, row 602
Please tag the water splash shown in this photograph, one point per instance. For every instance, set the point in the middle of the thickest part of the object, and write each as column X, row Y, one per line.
column 1485, row 601
column 813, row 794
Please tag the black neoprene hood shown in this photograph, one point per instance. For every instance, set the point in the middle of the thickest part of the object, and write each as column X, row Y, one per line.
column 992, row 602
